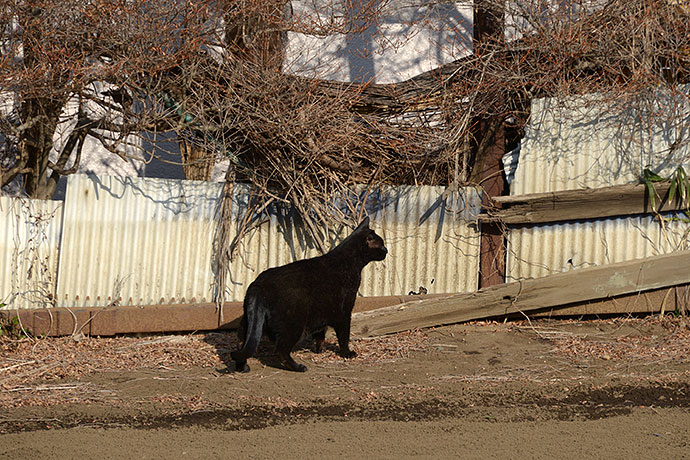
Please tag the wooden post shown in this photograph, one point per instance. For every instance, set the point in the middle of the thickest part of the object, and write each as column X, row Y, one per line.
column 488, row 172
column 489, row 135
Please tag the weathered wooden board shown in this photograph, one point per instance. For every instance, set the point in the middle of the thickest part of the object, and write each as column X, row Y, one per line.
column 619, row 200
column 127, row 319
column 555, row 290
column 657, row 301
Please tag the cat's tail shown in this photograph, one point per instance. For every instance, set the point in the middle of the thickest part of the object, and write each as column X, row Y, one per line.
column 255, row 316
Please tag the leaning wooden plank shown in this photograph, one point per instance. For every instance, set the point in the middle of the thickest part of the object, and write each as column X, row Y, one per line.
column 664, row 300
column 619, row 200
column 550, row 291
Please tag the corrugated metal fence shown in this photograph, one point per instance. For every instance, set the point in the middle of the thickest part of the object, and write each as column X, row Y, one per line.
column 29, row 241
column 581, row 143
column 541, row 250
column 142, row 241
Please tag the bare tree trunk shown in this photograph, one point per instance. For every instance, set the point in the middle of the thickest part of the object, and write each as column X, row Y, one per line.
column 197, row 161
column 35, row 147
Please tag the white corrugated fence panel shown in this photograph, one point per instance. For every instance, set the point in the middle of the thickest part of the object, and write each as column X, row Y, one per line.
column 144, row 241
column 432, row 242
column 29, row 239
column 542, row 250
column 581, row 143
column 150, row 241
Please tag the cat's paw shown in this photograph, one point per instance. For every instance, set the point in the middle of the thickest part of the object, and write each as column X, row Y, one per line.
column 243, row 368
column 349, row 354
column 293, row 365
column 296, row 367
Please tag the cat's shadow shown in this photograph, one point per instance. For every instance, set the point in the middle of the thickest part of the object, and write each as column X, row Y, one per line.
column 225, row 342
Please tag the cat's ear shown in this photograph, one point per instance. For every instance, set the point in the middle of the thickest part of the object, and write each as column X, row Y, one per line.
column 363, row 225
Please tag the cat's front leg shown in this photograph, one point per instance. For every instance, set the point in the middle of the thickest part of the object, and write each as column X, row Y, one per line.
column 342, row 331
column 285, row 342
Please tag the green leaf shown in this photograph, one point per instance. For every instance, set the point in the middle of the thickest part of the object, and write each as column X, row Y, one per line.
column 672, row 190
column 686, row 183
column 650, row 193
column 650, row 176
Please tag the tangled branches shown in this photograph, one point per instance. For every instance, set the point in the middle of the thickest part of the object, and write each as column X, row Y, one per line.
column 215, row 74
column 301, row 140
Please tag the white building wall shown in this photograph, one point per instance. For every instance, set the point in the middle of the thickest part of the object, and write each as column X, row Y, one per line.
column 410, row 37
column 584, row 143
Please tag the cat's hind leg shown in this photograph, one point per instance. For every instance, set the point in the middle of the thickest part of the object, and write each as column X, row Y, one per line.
column 252, row 326
column 319, row 338
column 285, row 342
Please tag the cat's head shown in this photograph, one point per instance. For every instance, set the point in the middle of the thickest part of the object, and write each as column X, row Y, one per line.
column 372, row 245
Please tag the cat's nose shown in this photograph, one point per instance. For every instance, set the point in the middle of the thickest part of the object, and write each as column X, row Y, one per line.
column 385, row 250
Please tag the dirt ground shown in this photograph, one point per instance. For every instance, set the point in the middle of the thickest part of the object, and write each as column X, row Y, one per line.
column 616, row 388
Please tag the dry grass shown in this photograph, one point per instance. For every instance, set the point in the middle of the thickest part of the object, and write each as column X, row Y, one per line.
column 45, row 372
column 28, row 361
column 371, row 351
column 50, row 359
column 651, row 339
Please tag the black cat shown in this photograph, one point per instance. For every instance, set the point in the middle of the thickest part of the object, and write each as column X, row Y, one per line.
column 303, row 298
